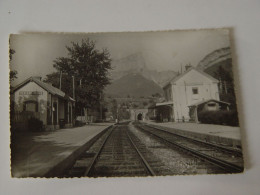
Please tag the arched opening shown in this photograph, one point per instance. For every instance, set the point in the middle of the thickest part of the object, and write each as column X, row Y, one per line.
column 140, row 116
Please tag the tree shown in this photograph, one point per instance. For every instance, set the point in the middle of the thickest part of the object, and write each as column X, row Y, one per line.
column 89, row 67
column 12, row 73
column 114, row 108
column 226, row 86
column 135, row 105
column 123, row 113
column 66, row 82
column 156, row 95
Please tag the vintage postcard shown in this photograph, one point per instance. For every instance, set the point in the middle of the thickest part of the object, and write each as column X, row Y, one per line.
column 123, row 104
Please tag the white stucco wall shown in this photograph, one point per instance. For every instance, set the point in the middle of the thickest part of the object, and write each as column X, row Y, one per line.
column 22, row 95
column 183, row 96
column 55, row 99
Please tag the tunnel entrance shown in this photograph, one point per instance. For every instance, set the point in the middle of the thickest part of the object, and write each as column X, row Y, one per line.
column 140, row 116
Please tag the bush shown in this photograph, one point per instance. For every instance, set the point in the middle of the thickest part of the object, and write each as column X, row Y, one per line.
column 221, row 117
column 79, row 123
column 153, row 118
column 35, row 124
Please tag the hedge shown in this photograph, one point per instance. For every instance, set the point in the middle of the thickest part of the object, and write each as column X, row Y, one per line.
column 35, row 124
column 221, row 117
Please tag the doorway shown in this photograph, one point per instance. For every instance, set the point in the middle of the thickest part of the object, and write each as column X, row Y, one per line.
column 55, row 111
column 140, row 116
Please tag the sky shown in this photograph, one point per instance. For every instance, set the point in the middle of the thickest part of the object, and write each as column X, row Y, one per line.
column 162, row 50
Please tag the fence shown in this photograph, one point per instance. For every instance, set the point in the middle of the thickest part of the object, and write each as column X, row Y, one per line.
column 19, row 120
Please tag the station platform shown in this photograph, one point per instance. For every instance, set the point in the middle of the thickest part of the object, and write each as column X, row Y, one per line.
column 46, row 154
column 218, row 134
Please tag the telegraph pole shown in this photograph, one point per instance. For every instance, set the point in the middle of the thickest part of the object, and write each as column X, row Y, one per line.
column 100, row 99
column 73, row 87
column 60, row 78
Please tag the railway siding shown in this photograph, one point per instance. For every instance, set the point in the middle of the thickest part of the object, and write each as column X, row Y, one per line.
column 125, row 150
column 218, row 134
column 230, row 160
column 114, row 154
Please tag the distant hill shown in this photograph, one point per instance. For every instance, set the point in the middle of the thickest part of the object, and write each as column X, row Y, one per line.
column 133, row 84
column 215, row 59
column 226, row 64
column 134, row 63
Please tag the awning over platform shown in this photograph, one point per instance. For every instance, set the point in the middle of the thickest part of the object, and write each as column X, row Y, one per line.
column 164, row 104
column 205, row 101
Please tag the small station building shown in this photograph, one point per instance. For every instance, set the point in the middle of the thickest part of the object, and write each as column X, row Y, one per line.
column 206, row 105
column 188, row 93
column 34, row 98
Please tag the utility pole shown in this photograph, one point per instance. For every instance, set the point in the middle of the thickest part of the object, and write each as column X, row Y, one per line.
column 100, row 99
column 118, row 107
column 116, row 114
column 73, row 87
column 83, row 107
column 60, row 78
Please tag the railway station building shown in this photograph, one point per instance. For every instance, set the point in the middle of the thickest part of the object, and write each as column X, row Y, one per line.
column 36, row 99
column 187, row 92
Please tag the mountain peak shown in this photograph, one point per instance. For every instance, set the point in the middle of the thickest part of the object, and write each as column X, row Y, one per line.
column 134, row 84
column 134, row 62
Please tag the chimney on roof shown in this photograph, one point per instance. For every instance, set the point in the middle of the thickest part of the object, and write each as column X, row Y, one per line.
column 49, row 83
column 187, row 67
column 38, row 77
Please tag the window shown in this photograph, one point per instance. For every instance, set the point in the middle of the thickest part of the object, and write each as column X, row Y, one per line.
column 169, row 94
column 211, row 104
column 195, row 90
column 31, row 106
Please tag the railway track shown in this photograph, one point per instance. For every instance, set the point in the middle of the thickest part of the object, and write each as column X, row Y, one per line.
column 228, row 159
column 116, row 153
column 141, row 150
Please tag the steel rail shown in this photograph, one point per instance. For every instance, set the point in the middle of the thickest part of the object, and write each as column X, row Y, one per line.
column 150, row 170
column 230, row 150
column 97, row 154
column 220, row 163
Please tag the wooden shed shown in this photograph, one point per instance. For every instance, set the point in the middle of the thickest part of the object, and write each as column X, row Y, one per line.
column 206, row 105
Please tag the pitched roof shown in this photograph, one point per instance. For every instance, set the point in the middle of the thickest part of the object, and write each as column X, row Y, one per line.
column 46, row 86
column 174, row 79
column 164, row 104
column 209, row 100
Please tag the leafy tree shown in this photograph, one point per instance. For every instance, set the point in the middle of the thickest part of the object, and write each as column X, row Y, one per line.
column 88, row 66
column 123, row 113
column 226, row 86
column 11, row 52
column 151, row 101
column 135, row 106
column 114, row 108
column 12, row 73
column 157, row 95
column 66, row 82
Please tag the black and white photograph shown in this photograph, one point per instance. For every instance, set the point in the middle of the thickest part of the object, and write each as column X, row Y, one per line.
column 123, row 104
